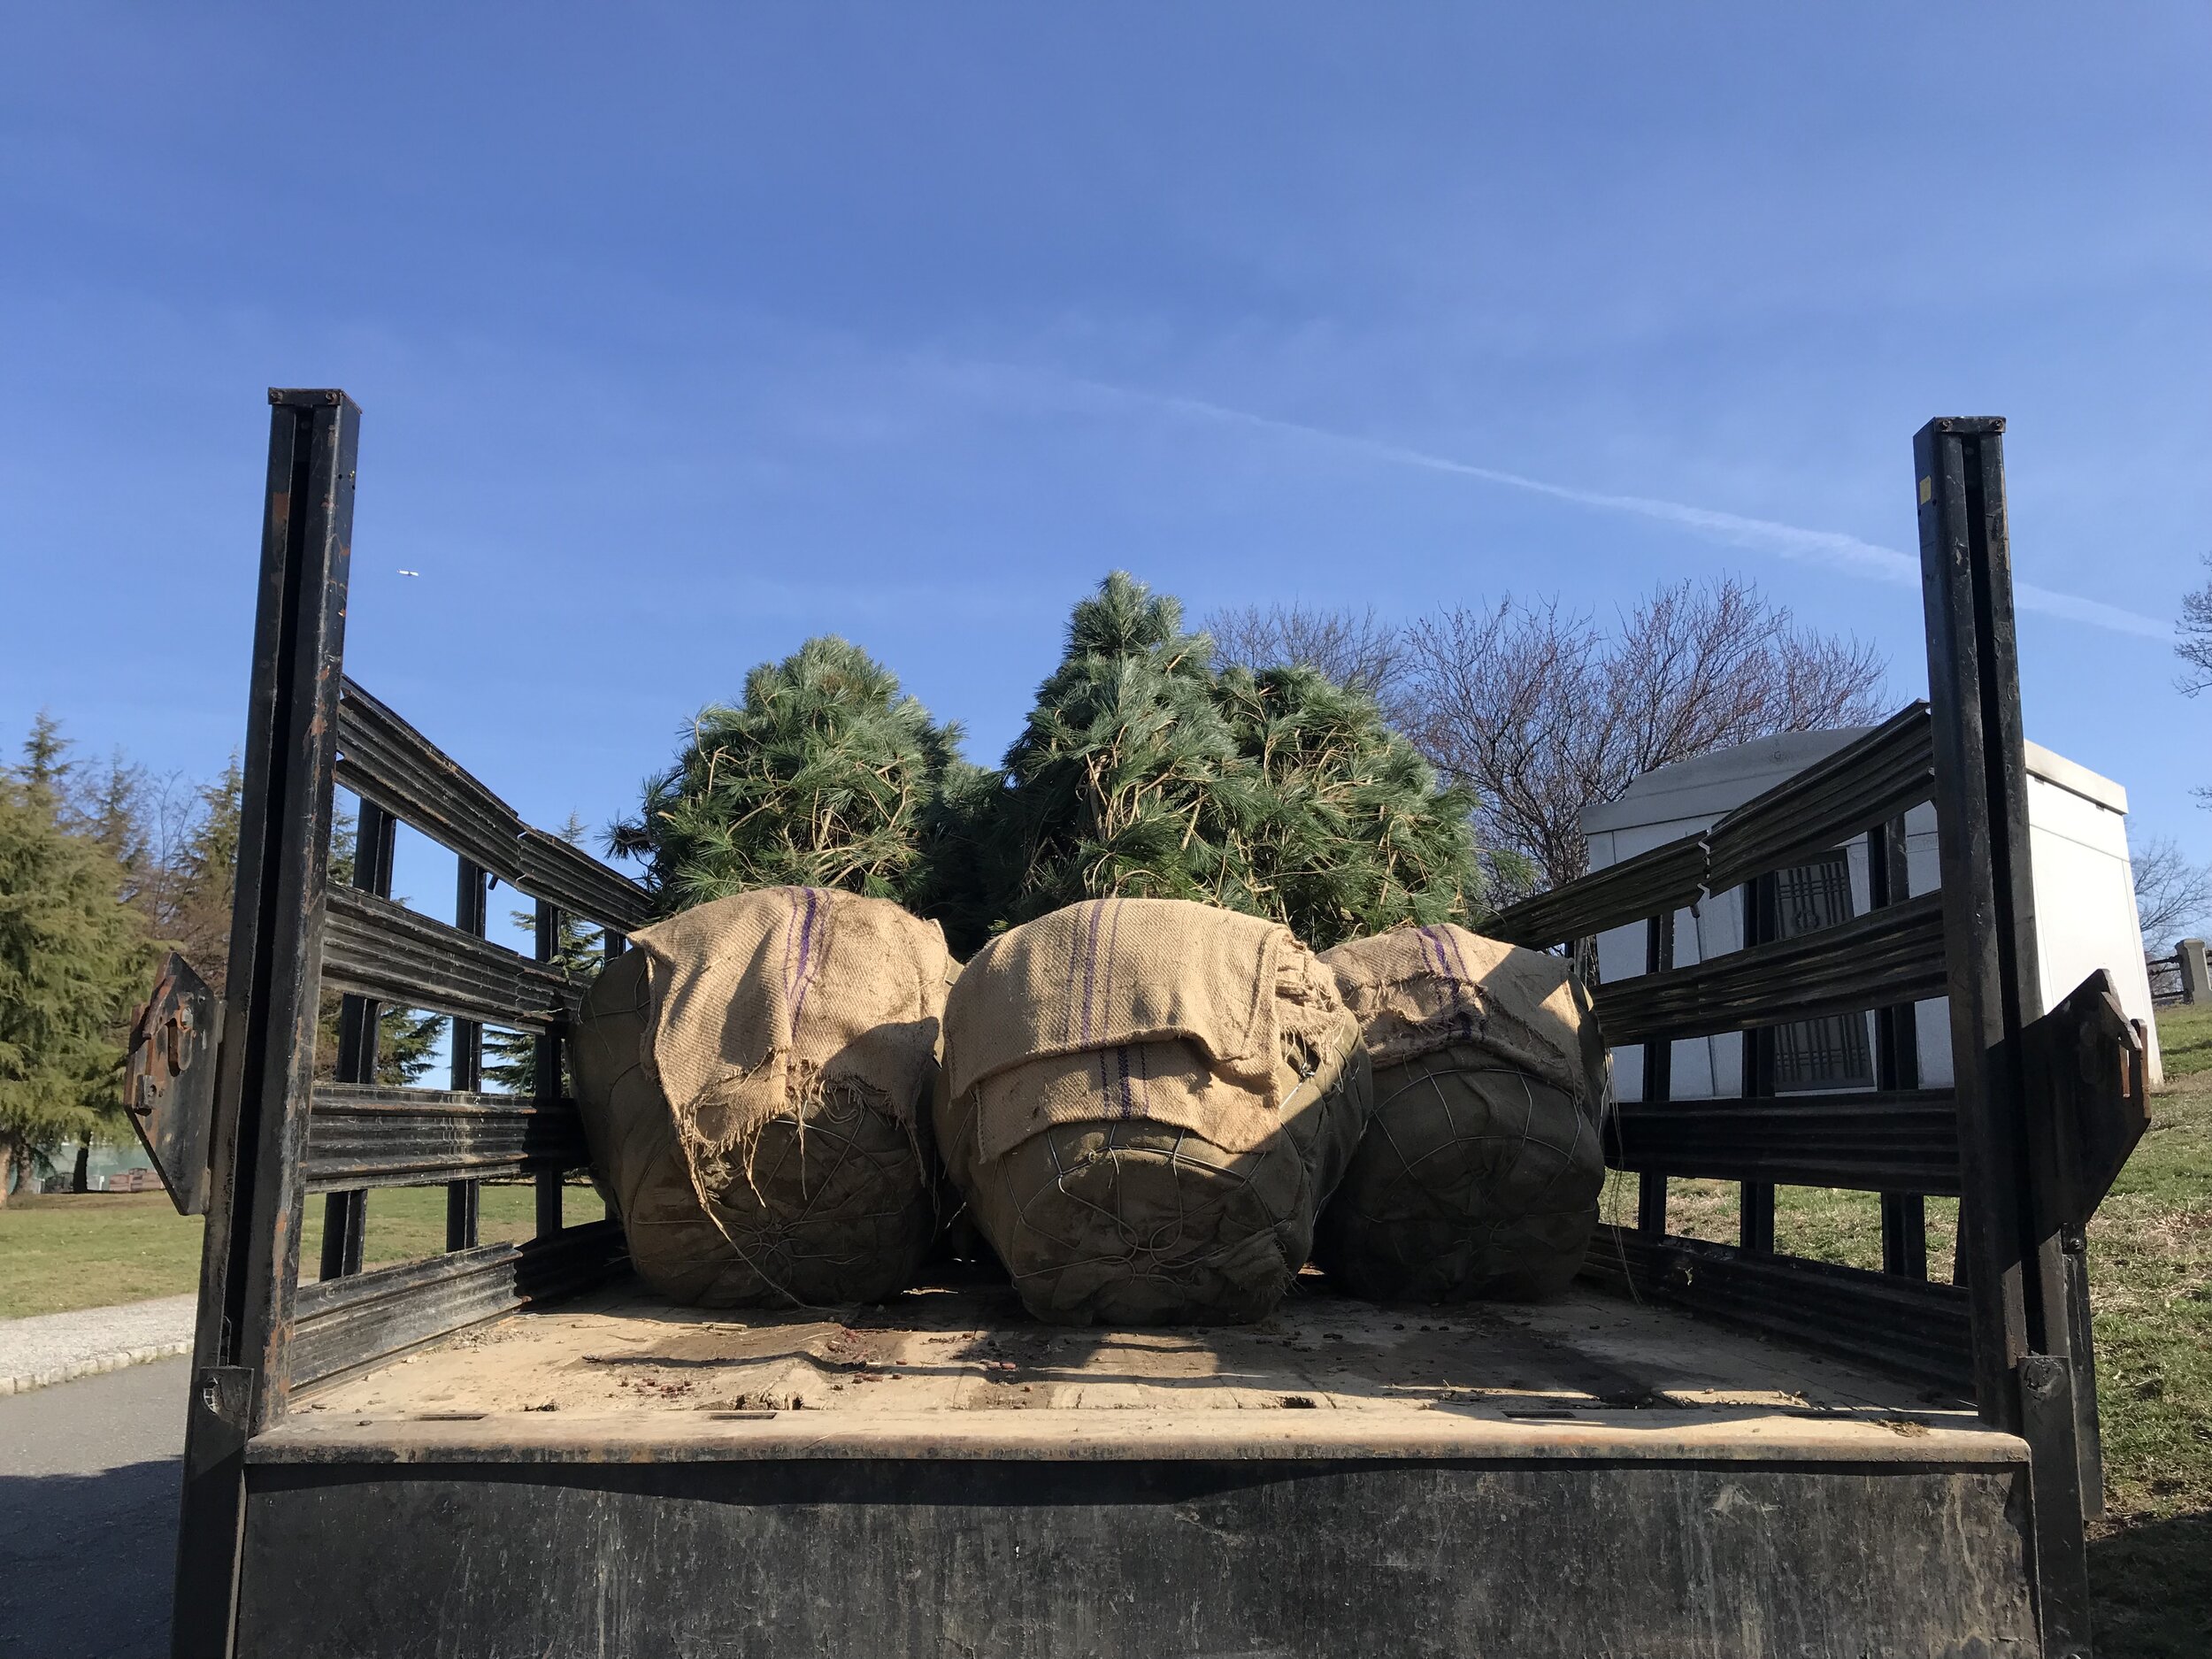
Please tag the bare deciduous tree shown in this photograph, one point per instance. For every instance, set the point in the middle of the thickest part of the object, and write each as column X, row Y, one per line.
column 1545, row 713
column 2194, row 646
column 2173, row 897
column 1355, row 649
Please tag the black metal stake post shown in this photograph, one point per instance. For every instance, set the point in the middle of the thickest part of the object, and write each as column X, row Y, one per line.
column 1755, row 1199
column 2016, row 1278
column 463, row 1198
column 1651, row 1189
column 611, row 945
column 549, row 1073
column 265, row 1067
column 346, row 1215
column 1896, row 1058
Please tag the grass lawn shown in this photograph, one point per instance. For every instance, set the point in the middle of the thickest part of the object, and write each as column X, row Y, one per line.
column 87, row 1251
column 2150, row 1268
column 59, row 1251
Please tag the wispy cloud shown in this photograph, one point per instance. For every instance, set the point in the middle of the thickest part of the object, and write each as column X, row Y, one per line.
column 1847, row 554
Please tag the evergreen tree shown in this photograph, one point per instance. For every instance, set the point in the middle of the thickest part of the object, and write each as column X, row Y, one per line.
column 174, row 843
column 1125, row 769
column 1141, row 772
column 47, row 771
column 511, row 1057
column 406, row 1038
column 204, row 881
column 965, row 854
column 1354, row 833
column 406, row 1044
column 72, row 959
column 824, row 776
column 108, row 812
column 111, row 811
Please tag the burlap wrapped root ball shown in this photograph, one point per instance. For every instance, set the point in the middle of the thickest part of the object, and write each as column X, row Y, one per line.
column 1144, row 1102
column 755, row 1079
column 1479, row 1172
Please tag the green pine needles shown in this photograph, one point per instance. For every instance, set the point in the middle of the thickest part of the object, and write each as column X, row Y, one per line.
column 826, row 776
column 72, row 957
column 1127, row 769
column 1141, row 771
column 1144, row 772
column 1354, row 833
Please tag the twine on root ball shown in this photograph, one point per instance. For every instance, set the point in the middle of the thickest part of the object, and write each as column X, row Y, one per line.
column 754, row 1080
column 1144, row 1104
column 1480, row 1171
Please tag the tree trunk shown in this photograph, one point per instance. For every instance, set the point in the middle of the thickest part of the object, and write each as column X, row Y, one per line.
column 81, row 1177
column 7, row 1170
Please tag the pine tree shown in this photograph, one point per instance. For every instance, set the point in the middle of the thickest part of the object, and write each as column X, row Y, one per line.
column 965, row 854
column 1141, row 772
column 113, row 813
column 511, row 1057
column 406, row 1044
column 1125, row 768
column 47, row 771
column 1354, row 833
column 72, row 959
column 204, row 881
column 824, row 776
column 406, row 1038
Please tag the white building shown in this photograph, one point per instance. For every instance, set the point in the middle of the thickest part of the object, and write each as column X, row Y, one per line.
column 2084, row 895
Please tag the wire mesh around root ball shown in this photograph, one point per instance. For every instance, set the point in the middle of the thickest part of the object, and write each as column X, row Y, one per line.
column 829, row 1203
column 833, row 1203
column 1474, row 1179
column 1129, row 1222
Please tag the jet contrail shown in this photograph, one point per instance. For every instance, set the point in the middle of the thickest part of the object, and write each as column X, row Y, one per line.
column 1830, row 547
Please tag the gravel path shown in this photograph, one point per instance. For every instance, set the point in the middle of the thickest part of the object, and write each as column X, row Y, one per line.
column 52, row 1347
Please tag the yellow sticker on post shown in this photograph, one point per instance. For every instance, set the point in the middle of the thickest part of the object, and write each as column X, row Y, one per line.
column 1927, row 491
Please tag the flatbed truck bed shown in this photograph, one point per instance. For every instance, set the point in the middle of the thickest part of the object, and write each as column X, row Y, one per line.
column 944, row 1475
column 1701, row 1451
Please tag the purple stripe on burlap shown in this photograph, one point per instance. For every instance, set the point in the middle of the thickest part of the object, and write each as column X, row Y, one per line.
column 1429, row 958
column 1452, row 976
column 807, row 962
column 1113, row 947
column 1467, row 982
column 1433, row 954
column 1456, row 971
column 792, row 902
column 1121, row 1057
column 1445, row 937
column 1444, row 967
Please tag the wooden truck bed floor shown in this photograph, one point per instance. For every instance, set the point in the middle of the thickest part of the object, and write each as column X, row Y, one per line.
column 962, row 1372
column 946, row 1476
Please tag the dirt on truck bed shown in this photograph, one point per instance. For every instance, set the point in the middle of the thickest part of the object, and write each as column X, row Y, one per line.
column 960, row 1371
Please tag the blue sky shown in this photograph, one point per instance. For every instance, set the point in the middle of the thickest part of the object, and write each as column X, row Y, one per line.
column 683, row 332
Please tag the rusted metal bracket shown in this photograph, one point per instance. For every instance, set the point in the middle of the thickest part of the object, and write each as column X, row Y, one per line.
column 2084, row 1086
column 169, row 1092
column 2087, row 1083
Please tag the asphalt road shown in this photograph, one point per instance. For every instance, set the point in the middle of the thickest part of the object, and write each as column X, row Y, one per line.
column 89, row 1514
